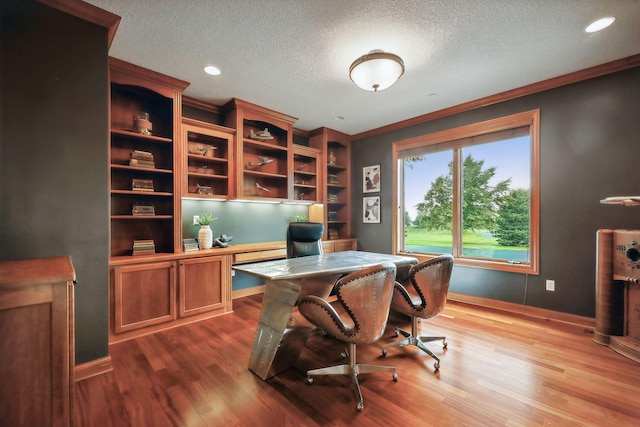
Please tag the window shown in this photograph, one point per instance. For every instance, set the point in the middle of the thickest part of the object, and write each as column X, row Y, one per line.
column 472, row 192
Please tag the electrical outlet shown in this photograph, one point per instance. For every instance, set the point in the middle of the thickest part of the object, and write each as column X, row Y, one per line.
column 196, row 219
column 550, row 285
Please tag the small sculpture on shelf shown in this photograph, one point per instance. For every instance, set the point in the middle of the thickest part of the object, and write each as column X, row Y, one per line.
column 261, row 135
column 262, row 160
column 204, row 189
column 261, row 188
column 202, row 149
column 222, row 241
column 331, row 159
column 141, row 123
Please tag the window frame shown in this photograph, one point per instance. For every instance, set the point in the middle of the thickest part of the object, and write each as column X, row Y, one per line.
column 528, row 118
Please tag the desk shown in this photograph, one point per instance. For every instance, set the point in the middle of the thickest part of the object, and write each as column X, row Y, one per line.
column 278, row 342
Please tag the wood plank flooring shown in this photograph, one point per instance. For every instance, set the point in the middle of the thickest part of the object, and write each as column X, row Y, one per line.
column 499, row 370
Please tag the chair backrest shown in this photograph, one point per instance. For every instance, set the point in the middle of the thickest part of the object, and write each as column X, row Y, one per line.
column 304, row 239
column 366, row 295
column 430, row 280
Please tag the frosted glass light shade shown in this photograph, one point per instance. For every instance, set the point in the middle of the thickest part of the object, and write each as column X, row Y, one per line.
column 377, row 70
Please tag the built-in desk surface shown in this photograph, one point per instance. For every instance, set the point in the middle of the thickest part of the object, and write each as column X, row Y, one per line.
column 320, row 265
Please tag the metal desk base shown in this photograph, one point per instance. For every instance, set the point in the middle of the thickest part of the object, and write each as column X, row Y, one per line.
column 279, row 338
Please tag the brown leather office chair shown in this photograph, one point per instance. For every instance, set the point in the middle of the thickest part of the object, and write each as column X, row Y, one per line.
column 358, row 316
column 422, row 296
column 304, row 239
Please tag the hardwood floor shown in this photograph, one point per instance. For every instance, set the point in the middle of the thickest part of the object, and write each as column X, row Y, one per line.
column 499, row 370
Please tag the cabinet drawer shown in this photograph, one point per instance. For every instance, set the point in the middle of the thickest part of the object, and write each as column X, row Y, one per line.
column 246, row 257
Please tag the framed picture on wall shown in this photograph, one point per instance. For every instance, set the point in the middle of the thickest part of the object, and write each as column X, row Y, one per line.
column 371, row 179
column 371, row 209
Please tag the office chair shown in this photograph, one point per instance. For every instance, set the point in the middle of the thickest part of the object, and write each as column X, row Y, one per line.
column 358, row 316
column 422, row 296
column 303, row 239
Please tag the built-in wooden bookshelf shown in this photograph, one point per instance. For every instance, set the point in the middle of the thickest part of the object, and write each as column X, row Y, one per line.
column 336, row 180
column 209, row 160
column 264, row 155
column 145, row 111
column 306, row 174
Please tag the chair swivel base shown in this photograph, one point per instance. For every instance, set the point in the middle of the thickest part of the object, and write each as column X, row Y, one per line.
column 417, row 341
column 353, row 369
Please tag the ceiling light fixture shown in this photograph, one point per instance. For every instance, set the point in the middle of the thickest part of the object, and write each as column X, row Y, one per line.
column 377, row 70
column 600, row 24
column 210, row 69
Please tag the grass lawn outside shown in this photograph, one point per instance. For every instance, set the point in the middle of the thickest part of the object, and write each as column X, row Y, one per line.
column 475, row 243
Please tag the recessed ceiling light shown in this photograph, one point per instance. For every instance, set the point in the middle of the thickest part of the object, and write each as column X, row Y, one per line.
column 338, row 118
column 600, row 24
column 210, row 69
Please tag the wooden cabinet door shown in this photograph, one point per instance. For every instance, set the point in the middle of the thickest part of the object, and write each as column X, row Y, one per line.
column 204, row 285
column 144, row 295
column 36, row 332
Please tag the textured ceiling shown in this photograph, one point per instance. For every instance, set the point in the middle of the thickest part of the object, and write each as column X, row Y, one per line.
column 294, row 56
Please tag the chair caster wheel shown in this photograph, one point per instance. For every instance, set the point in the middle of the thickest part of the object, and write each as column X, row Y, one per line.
column 309, row 380
column 436, row 366
column 396, row 333
column 384, row 352
column 359, row 406
column 395, row 377
column 445, row 344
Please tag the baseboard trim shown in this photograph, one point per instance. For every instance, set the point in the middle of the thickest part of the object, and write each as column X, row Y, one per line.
column 513, row 308
column 92, row 368
column 247, row 292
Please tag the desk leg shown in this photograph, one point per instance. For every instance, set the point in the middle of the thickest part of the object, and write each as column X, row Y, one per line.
column 277, row 304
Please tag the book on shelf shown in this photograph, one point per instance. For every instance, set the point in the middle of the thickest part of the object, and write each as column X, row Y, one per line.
column 143, row 208
column 142, row 184
column 142, row 163
column 142, row 155
column 333, row 234
column 144, row 247
column 144, row 252
column 190, row 245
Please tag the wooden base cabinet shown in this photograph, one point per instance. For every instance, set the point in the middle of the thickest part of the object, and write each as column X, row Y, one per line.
column 339, row 245
column 143, row 295
column 36, row 332
column 150, row 296
column 204, row 285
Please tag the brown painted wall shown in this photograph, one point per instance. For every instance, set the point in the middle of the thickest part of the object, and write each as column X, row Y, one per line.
column 589, row 150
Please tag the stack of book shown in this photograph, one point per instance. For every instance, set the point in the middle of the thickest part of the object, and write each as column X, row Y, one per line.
column 142, row 184
column 333, row 234
column 143, row 209
column 142, row 159
column 144, row 247
column 190, row 245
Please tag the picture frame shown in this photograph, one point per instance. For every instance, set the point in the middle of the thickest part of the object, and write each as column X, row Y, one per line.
column 371, row 179
column 371, row 210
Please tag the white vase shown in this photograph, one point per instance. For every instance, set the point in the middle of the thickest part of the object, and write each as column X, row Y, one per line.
column 205, row 237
